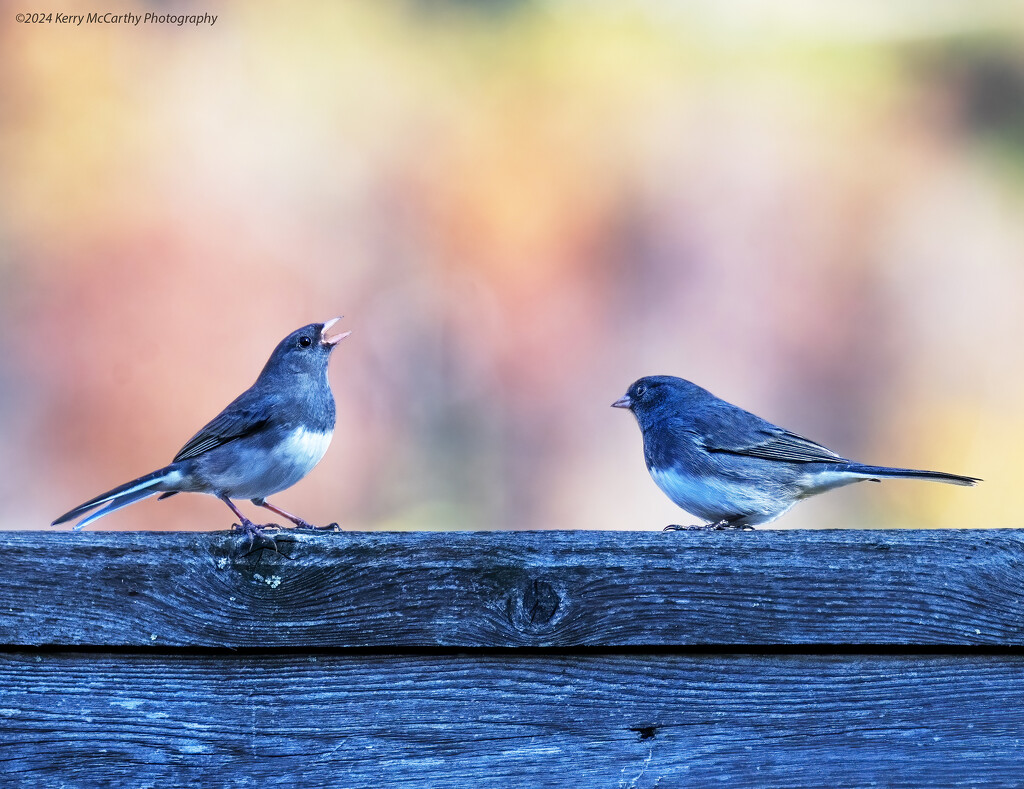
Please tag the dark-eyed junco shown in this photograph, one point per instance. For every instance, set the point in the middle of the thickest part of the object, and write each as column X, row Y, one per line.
column 266, row 440
column 731, row 468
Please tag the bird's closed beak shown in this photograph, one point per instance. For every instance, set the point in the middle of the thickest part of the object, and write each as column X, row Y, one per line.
column 332, row 341
column 623, row 402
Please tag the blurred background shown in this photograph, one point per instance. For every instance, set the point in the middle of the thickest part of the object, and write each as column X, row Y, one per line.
column 814, row 210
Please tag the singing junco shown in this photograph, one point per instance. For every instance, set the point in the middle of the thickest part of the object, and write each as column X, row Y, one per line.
column 266, row 440
column 731, row 468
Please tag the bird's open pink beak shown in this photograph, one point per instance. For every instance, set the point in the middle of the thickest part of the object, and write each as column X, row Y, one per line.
column 332, row 341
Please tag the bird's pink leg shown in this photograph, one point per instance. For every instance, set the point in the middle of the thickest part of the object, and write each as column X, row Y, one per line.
column 293, row 518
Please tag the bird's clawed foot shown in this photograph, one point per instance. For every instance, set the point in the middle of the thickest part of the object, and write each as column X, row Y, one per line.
column 717, row 526
column 301, row 524
column 256, row 538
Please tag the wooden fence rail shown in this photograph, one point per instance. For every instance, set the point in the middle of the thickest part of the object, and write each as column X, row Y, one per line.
column 513, row 659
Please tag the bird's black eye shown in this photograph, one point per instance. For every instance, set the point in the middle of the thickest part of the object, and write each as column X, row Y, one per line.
column 304, row 341
column 640, row 390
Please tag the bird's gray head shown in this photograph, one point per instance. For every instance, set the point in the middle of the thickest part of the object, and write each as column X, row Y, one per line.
column 656, row 396
column 305, row 350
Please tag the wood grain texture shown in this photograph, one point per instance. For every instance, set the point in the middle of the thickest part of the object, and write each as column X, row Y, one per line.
column 512, row 589
column 514, row 720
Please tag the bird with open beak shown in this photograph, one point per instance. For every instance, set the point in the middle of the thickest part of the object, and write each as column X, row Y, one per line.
column 266, row 440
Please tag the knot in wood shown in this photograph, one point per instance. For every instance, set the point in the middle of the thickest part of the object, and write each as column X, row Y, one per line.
column 537, row 604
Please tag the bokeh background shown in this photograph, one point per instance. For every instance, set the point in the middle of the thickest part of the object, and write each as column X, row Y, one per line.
column 815, row 210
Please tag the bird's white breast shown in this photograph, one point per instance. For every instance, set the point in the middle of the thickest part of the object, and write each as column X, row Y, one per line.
column 290, row 461
column 714, row 499
column 254, row 471
column 305, row 448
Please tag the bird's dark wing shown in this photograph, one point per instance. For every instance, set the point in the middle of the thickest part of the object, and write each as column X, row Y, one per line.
column 786, row 446
column 739, row 432
column 248, row 414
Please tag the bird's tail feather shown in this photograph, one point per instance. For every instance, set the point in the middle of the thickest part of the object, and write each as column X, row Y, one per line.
column 121, row 496
column 875, row 472
column 115, row 504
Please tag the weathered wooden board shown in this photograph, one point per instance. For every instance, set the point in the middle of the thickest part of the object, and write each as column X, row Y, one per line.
column 407, row 660
column 516, row 719
column 494, row 589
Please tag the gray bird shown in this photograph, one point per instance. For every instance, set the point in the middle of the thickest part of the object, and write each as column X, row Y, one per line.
column 732, row 468
column 266, row 440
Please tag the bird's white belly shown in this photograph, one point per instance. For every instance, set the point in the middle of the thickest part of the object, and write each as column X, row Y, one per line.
column 715, row 500
column 290, row 461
